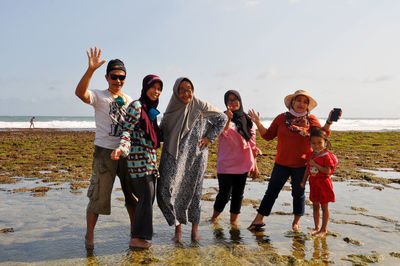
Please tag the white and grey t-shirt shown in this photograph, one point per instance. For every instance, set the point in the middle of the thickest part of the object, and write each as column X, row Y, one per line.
column 109, row 118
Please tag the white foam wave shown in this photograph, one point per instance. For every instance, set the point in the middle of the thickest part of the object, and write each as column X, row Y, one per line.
column 50, row 124
column 358, row 124
column 341, row 125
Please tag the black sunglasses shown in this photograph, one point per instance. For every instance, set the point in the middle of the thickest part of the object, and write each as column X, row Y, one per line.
column 114, row 77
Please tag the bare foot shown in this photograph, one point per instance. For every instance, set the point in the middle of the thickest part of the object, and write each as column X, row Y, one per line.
column 234, row 223
column 296, row 223
column 139, row 243
column 213, row 220
column 235, row 227
column 89, row 242
column 196, row 237
column 215, row 216
column 177, row 239
column 178, row 234
column 313, row 232
column 255, row 227
column 195, row 233
column 257, row 223
column 320, row 233
column 234, row 219
column 296, row 227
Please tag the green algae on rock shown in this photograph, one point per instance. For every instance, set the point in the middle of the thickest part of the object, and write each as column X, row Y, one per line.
column 65, row 156
column 352, row 241
column 363, row 259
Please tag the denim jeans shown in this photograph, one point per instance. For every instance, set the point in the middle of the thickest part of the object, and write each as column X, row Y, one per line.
column 279, row 176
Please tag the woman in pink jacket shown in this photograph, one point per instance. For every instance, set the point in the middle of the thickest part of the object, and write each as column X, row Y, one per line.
column 236, row 157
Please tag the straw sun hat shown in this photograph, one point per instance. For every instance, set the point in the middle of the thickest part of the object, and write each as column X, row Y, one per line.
column 288, row 99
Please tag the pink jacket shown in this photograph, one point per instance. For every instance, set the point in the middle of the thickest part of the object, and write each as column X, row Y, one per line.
column 235, row 154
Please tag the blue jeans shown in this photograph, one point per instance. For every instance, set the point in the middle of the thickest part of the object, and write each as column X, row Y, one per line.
column 279, row 176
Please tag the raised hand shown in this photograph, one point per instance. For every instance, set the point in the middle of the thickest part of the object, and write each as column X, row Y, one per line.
column 229, row 113
column 330, row 114
column 254, row 116
column 94, row 58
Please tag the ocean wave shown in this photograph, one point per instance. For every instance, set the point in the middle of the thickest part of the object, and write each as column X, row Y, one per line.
column 358, row 124
column 361, row 124
column 51, row 124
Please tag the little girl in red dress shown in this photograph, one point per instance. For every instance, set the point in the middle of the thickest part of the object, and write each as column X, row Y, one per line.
column 320, row 167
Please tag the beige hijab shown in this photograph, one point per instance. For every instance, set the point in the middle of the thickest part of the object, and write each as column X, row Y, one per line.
column 179, row 118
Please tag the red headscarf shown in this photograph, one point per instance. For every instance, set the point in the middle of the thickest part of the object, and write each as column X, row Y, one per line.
column 150, row 127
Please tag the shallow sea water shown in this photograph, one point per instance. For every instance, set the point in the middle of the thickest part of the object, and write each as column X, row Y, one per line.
column 49, row 230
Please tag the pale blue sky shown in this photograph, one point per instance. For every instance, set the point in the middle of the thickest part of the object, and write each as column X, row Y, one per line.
column 344, row 52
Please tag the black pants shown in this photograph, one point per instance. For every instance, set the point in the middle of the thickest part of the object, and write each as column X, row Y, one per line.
column 143, row 188
column 279, row 176
column 230, row 186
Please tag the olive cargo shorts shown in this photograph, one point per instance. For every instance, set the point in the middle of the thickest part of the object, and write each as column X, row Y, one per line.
column 104, row 171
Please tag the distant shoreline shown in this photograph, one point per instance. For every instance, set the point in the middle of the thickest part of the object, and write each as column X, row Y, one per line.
column 48, row 129
column 89, row 124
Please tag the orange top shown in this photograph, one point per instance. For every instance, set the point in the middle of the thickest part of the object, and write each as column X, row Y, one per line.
column 292, row 147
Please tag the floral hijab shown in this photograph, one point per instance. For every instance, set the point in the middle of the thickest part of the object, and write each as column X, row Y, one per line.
column 299, row 123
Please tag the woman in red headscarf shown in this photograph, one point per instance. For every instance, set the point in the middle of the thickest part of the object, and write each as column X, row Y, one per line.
column 139, row 142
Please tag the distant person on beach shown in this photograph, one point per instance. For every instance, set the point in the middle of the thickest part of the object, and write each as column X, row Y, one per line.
column 236, row 157
column 32, row 125
column 139, row 142
column 320, row 167
column 189, row 125
column 293, row 131
column 110, row 109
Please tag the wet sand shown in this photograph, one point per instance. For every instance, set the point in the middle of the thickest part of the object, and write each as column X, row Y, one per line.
column 49, row 229
column 44, row 205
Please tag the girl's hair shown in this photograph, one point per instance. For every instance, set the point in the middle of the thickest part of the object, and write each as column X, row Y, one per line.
column 319, row 132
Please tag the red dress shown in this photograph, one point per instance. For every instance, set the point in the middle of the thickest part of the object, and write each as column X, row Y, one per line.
column 321, row 188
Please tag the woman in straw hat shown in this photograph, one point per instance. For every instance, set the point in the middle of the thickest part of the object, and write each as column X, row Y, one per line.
column 293, row 130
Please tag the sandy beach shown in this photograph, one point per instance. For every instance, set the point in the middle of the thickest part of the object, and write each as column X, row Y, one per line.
column 43, row 179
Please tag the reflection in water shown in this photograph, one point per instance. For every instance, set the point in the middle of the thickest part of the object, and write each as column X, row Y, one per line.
column 91, row 258
column 298, row 243
column 262, row 239
column 219, row 235
column 235, row 237
column 58, row 238
column 321, row 252
column 269, row 253
column 138, row 256
column 299, row 246
column 90, row 254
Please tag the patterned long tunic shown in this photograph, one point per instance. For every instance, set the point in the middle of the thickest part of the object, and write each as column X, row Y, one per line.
column 180, row 184
column 142, row 157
